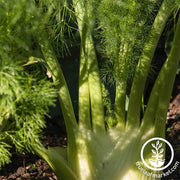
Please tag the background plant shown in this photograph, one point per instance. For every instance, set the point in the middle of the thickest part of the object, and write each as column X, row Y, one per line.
column 25, row 93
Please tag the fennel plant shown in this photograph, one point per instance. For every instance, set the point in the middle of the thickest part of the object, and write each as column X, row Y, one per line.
column 129, row 34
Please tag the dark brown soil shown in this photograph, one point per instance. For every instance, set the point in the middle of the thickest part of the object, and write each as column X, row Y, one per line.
column 173, row 127
column 29, row 166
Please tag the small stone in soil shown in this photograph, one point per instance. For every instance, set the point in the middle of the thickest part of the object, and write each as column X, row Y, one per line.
column 21, row 171
column 34, row 174
column 27, row 175
column 55, row 177
column 12, row 176
column 47, row 174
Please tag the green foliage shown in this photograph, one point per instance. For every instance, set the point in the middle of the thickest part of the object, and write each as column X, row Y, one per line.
column 24, row 102
column 19, row 22
column 22, row 20
column 25, row 92
column 109, row 112
column 60, row 23
column 124, row 26
column 4, row 153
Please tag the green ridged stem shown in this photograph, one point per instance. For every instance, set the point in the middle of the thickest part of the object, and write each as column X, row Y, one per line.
column 85, row 23
column 121, row 85
column 168, row 81
column 84, row 94
column 133, row 117
column 57, row 161
column 64, row 96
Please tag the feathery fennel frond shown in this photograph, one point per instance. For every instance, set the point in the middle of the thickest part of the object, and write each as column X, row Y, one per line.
column 25, row 95
column 60, row 23
column 24, row 103
column 123, row 44
column 4, row 152
column 129, row 20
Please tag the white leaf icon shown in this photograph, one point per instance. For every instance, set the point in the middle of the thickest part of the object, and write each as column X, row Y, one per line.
column 161, row 151
column 160, row 145
column 153, row 145
column 157, row 142
column 153, row 151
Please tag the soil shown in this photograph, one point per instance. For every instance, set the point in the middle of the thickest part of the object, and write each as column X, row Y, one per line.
column 173, row 128
column 29, row 166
